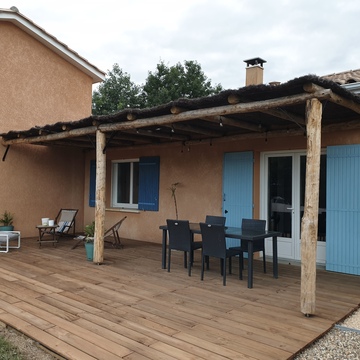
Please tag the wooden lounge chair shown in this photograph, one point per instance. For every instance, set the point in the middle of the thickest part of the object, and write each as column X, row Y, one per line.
column 112, row 235
column 65, row 221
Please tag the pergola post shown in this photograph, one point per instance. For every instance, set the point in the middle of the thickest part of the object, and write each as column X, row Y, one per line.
column 309, row 223
column 100, row 197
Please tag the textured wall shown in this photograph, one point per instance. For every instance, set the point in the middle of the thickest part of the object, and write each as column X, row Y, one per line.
column 38, row 87
column 199, row 171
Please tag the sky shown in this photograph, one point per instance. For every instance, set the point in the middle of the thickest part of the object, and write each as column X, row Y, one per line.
column 294, row 37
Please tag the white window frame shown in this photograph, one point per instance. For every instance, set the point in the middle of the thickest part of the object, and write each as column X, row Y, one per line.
column 114, row 182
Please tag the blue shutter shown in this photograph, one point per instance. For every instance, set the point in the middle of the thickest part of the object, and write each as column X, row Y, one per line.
column 149, row 172
column 343, row 209
column 237, row 189
column 92, row 186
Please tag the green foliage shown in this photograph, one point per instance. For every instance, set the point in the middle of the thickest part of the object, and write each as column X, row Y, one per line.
column 116, row 93
column 90, row 230
column 175, row 82
column 7, row 218
column 163, row 85
column 8, row 351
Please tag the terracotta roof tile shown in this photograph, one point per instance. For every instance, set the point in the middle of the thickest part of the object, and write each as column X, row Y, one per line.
column 345, row 77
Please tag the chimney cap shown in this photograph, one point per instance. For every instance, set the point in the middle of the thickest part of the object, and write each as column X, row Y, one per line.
column 255, row 61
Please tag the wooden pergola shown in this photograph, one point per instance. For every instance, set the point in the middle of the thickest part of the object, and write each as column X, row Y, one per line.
column 308, row 105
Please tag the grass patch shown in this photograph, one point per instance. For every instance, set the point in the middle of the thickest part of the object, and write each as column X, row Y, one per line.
column 8, row 351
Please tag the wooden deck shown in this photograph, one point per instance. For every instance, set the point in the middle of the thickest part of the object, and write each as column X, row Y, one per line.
column 132, row 309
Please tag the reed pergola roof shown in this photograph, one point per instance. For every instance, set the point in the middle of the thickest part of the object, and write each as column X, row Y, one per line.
column 252, row 111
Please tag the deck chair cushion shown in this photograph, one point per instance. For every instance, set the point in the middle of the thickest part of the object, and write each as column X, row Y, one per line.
column 62, row 226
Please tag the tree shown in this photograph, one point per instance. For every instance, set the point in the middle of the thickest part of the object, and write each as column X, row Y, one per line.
column 178, row 81
column 116, row 93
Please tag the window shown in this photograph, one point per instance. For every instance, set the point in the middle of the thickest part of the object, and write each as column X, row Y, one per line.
column 134, row 183
column 125, row 184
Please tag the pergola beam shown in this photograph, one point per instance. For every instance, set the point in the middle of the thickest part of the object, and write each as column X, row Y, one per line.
column 184, row 116
column 100, row 198
column 309, row 223
column 279, row 113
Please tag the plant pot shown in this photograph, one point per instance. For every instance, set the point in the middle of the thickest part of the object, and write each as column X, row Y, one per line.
column 89, row 248
column 7, row 228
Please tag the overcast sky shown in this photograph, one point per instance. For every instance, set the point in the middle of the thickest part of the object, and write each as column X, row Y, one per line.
column 295, row 37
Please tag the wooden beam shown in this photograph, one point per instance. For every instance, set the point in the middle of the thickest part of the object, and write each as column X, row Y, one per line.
column 160, row 135
column 187, row 115
column 312, row 88
column 131, row 116
column 177, row 110
column 337, row 99
column 349, row 104
column 51, row 137
column 279, row 113
column 220, row 110
column 100, row 198
column 285, row 115
column 196, row 129
column 309, row 223
column 226, row 120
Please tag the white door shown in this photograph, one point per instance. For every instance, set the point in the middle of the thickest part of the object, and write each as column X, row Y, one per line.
column 282, row 201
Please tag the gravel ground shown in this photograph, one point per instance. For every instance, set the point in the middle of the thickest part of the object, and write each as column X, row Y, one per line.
column 28, row 348
column 340, row 343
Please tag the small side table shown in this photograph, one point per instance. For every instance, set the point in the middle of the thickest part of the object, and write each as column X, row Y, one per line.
column 47, row 230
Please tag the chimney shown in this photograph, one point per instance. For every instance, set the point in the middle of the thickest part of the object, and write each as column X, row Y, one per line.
column 254, row 71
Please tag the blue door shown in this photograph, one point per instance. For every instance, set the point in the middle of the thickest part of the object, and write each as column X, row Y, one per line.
column 237, row 189
column 343, row 209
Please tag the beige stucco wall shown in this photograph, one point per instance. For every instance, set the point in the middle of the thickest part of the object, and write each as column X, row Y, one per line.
column 37, row 86
column 36, row 181
column 199, row 171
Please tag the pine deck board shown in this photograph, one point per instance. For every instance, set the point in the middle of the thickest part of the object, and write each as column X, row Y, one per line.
column 131, row 308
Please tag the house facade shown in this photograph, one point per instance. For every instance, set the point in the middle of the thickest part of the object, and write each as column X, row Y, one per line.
column 252, row 178
column 240, row 154
column 42, row 82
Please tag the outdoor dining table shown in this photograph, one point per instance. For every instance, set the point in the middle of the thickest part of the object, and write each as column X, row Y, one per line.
column 251, row 237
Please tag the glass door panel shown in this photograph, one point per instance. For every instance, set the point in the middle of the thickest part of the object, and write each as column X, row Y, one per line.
column 322, row 195
column 280, row 192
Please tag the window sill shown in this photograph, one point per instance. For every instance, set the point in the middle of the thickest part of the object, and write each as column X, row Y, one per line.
column 134, row 211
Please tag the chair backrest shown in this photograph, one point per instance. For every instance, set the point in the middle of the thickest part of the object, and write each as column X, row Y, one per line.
column 115, row 227
column 66, row 220
column 180, row 237
column 253, row 225
column 213, row 240
column 215, row 220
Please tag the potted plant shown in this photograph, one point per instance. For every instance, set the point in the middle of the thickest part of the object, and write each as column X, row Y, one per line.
column 89, row 240
column 6, row 221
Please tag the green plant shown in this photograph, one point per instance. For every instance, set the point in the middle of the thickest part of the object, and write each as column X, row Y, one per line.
column 89, row 231
column 7, row 218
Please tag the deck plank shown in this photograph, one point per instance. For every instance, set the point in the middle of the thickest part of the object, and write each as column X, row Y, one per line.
column 131, row 308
